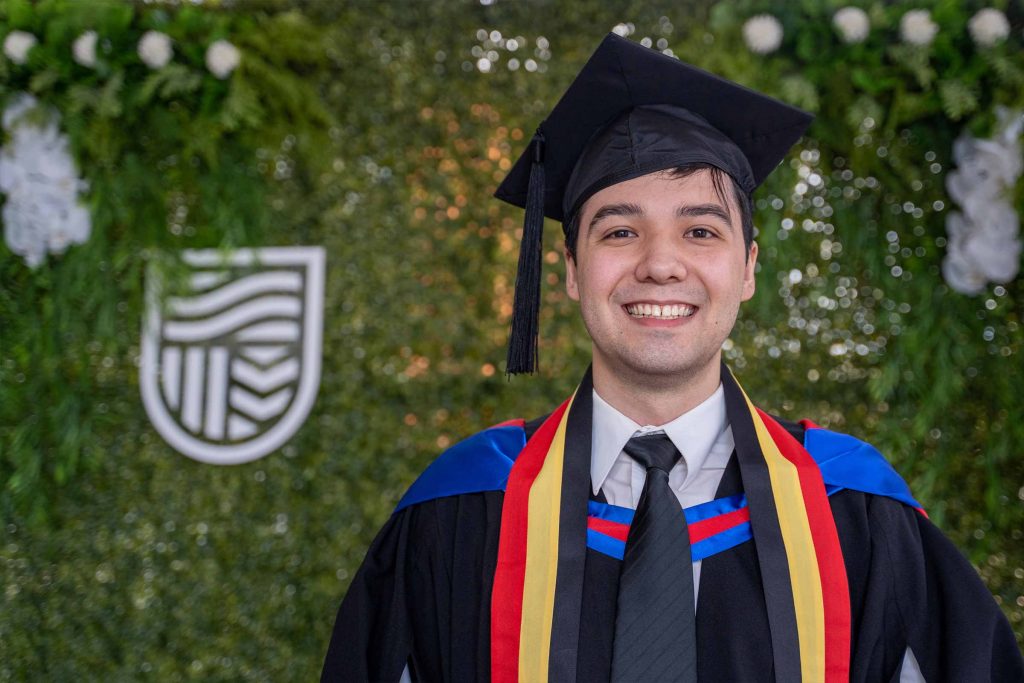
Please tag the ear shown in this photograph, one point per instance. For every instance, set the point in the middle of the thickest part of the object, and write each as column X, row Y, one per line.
column 748, row 273
column 572, row 287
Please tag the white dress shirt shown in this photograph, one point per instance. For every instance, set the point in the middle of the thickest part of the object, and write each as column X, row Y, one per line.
column 702, row 435
column 704, row 438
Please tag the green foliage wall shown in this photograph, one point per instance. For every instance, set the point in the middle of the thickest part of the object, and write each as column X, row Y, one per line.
column 371, row 129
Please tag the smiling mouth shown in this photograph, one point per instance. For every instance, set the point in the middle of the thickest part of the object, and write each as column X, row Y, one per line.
column 666, row 312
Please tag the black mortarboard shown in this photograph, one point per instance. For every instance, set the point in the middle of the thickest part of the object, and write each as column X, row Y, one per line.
column 633, row 111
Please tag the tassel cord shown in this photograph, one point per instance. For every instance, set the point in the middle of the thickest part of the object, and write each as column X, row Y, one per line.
column 523, row 340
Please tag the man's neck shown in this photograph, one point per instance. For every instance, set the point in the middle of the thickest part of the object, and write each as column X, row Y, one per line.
column 655, row 401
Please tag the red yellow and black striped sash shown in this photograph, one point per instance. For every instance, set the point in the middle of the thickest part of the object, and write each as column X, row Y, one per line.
column 785, row 508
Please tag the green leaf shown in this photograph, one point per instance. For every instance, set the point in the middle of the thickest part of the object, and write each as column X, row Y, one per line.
column 864, row 107
column 882, row 384
column 915, row 59
column 171, row 81
column 1006, row 70
column 908, row 108
column 801, row 92
column 958, row 98
column 44, row 80
column 241, row 107
column 82, row 98
column 111, row 104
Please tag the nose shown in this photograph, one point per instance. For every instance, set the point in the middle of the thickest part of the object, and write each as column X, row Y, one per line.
column 661, row 260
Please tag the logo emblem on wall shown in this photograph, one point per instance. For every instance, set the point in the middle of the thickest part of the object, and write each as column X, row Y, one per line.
column 231, row 365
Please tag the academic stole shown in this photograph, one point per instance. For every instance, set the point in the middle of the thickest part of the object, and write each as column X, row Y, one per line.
column 538, row 578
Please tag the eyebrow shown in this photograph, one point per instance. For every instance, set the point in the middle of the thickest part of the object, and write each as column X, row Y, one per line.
column 697, row 210
column 624, row 209
column 637, row 211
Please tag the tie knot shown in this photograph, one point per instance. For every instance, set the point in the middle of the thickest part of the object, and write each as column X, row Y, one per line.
column 653, row 450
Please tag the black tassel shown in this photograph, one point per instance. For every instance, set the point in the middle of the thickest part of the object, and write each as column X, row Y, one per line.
column 522, row 343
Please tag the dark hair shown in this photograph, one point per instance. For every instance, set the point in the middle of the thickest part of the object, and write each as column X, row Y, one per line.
column 719, row 178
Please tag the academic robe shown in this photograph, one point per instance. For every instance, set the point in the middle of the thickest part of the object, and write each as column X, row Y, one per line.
column 422, row 597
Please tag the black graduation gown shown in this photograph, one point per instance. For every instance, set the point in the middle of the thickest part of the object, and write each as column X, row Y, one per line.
column 422, row 597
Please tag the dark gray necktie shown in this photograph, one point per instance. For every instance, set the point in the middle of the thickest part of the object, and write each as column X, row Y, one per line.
column 655, row 625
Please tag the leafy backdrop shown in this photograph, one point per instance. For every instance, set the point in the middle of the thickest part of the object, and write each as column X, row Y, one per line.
column 379, row 131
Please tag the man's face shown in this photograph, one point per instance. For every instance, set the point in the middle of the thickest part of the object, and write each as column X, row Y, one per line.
column 660, row 271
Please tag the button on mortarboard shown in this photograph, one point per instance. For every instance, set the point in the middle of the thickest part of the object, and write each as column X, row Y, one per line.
column 632, row 111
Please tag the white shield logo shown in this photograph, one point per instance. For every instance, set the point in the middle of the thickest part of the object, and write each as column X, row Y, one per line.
column 231, row 369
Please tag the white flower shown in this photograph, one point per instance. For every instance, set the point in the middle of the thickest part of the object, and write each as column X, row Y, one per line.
column 995, row 246
column 18, row 107
column 959, row 273
column 917, row 27
column 1010, row 124
column 852, row 23
column 988, row 27
column 83, row 50
column 155, row 49
column 42, row 214
column 17, row 44
column 982, row 252
column 222, row 58
column 984, row 169
column 762, row 33
column 984, row 243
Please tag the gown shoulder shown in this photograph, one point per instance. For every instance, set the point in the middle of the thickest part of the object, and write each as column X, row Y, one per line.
column 911, row 587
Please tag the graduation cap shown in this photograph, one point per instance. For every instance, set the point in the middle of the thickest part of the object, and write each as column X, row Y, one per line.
column 632, row 111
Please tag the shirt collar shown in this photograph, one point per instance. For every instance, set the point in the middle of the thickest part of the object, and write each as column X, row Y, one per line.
column 693, row 433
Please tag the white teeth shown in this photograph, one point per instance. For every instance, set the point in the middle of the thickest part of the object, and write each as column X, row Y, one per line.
column 667, row 312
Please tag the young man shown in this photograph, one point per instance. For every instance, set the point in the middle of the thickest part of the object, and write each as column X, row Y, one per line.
column 657, row 525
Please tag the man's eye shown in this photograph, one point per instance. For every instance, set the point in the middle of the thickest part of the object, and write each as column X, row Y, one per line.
column 620, row 233
column 701, row 233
